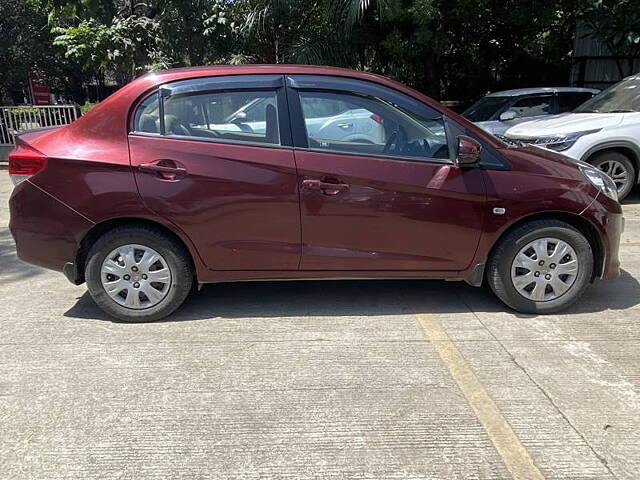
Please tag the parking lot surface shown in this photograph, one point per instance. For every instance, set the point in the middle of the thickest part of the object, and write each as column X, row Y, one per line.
column 319, row 380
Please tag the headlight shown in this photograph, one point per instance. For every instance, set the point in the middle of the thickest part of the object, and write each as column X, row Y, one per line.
column 563, row 141
column 600, row 180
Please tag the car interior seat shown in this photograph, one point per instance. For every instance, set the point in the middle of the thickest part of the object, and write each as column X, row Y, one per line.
column 148, row 124
column 173, row 126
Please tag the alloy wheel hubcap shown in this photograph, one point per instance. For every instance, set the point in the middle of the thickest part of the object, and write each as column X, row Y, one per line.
column 135, row 276
column 617, row 172
column 544, row 269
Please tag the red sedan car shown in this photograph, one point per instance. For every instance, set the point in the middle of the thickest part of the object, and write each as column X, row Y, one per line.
column 279, row 172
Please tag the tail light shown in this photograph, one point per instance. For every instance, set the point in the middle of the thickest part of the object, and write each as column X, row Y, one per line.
column 377, row 118
column 25, row 162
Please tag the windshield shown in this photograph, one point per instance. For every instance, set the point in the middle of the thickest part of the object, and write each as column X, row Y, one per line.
column 485, row 108
column 621, row 97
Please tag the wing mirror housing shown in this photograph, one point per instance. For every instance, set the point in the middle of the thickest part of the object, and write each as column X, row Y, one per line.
column 240, row 117
column 508, row 115
column 468, row 154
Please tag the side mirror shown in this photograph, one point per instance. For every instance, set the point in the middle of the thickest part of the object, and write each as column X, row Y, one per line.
column 508, row 115
column 240, row 117
column 468, row 151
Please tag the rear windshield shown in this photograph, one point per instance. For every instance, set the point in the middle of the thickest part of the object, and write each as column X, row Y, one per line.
column 621, row 97
column 485, row 108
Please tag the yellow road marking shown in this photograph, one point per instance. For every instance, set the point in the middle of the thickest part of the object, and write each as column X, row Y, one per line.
column 515, row 456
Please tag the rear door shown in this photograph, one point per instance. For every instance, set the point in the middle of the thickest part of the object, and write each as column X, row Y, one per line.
column 229, row 182
column 387, row 196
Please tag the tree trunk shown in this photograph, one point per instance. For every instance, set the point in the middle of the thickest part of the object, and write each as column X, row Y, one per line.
column 188, row 36
column 432, row 77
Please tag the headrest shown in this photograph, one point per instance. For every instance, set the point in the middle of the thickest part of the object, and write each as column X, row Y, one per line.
column 147, row 124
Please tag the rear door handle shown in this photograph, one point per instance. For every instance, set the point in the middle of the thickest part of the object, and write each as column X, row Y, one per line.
column 327, row 188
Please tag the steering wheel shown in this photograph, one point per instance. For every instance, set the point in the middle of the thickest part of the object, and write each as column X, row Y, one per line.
column 396, row 141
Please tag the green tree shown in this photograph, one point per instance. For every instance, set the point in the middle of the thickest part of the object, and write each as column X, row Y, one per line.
column 26, row 46
column 122, row 39
column 617, row 24
column 462, row 48
column 447, row 48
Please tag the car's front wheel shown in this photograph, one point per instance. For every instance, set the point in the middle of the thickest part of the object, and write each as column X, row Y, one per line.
column 138, row 274
column 542, row 266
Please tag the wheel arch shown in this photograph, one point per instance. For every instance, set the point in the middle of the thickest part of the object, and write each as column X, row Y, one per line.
column 580, row 223
column 105, row 226
column 628, row 149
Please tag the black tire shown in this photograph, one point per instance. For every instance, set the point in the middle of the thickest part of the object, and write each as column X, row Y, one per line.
column 176, row 257
column 599, row 159
column 502, row 257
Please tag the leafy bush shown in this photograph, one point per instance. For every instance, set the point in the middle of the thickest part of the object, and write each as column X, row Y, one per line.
column 86, row 107
column 24, row 111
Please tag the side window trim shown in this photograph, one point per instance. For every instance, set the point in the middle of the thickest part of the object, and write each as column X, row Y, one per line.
column 222, row 83
column 233, row 83
column 161, row 113
column 298, row 127
column 362, row 87
column 440, row 161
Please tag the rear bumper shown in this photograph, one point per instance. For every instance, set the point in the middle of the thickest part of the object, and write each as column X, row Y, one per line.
column 47, row 232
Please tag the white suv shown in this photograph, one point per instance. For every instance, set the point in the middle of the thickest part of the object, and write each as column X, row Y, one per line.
column 604, row 131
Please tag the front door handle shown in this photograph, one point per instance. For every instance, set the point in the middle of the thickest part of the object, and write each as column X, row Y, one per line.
column 166, row 169
column 328, row 188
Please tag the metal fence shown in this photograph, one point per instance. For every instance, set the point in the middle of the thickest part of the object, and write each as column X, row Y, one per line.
column 17, row 120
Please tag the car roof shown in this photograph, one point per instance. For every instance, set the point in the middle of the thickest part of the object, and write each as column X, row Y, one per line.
column 112, row 114
column 517, row 92
column 214, row 70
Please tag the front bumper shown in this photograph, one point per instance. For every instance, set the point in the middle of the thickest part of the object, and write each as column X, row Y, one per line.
column 611, row 261
column 606, row 215
column 46, row 231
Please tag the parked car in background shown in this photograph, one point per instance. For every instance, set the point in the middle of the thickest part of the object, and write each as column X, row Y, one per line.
column 141, row 214
column 335, row 119
column 604, row 131
column 499, row 111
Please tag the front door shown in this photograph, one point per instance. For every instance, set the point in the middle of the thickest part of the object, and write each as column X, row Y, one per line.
column 212, row 157
column 378, row 188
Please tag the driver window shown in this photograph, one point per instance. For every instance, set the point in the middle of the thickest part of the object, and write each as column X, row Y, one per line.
column 370, row 126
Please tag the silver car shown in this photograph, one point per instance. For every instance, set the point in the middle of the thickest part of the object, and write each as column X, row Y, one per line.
column 499, row 111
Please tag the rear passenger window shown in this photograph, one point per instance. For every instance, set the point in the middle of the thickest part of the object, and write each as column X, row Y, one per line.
column 146, row 120
column 367, row 125
column 532, row 106
column 569, row 101
column 240, row 116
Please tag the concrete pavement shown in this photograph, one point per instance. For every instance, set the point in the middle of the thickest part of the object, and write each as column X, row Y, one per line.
column 319, row 380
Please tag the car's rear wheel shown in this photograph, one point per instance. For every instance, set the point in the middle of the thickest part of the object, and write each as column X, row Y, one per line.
column 138, row 274
column 541, row 267
column 619, row 167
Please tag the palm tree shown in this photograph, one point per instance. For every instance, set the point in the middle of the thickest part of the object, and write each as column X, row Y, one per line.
column 304, row 31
